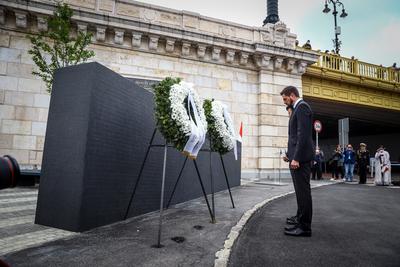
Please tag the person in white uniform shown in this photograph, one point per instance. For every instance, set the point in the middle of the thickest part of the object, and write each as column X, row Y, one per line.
column 382, row 167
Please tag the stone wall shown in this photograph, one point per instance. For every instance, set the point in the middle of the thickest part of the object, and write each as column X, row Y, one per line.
column 23, row 101
column 246, row 67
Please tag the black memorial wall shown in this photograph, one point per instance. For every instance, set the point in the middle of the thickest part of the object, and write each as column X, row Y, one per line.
column 98, row 130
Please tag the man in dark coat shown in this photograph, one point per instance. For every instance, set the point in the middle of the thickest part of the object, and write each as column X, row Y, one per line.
column 363, row 163
column 316, row 166
column 300, row 154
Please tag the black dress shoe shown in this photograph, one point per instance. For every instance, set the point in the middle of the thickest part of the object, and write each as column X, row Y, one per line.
column 297, row 231
column 290, row 227
column 292, row 220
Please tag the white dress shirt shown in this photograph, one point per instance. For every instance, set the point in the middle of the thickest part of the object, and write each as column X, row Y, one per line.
column 297, row 101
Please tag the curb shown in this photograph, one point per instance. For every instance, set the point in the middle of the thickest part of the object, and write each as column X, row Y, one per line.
column 222, row 256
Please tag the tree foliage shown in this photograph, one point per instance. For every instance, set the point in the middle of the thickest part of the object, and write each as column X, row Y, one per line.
column 56, row 48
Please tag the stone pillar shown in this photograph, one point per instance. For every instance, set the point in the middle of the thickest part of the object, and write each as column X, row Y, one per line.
column 273, row 122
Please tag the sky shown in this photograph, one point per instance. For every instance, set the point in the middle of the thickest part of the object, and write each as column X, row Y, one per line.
column 370, row 32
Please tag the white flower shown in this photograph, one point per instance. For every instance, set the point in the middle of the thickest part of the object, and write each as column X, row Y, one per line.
column 178, row 94
column 223, row 125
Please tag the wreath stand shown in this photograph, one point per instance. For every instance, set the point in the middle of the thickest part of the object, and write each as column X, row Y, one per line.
column 158, row 245
column 212, row 182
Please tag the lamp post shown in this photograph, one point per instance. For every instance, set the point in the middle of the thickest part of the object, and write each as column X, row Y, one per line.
column 272, row 12
column 335, row 3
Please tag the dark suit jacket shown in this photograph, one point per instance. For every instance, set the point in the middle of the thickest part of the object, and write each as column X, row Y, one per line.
column 300, row 143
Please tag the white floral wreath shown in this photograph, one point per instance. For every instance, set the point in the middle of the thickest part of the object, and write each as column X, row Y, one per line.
column 223, row 125
column 178, row 95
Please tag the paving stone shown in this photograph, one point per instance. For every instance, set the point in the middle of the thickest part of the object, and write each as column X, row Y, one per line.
column 21, row 213
column 7, row 203
column 18, row 229
column 16, row 220
column 17, row 200
column 26, row 240
column 19, row 194
column 17, row 208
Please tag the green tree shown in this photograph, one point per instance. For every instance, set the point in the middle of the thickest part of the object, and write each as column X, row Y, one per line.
column 56, row 48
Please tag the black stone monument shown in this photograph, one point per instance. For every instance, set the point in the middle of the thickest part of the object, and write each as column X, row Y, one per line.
column 98, row 130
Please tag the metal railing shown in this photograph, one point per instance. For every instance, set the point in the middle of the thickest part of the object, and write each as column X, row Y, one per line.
column 355, row 67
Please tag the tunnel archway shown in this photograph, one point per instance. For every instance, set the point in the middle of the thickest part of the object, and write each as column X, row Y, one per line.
column 373, row 126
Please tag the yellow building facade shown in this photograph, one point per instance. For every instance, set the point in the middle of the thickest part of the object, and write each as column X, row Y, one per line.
column 369, row 95
column 348, row 80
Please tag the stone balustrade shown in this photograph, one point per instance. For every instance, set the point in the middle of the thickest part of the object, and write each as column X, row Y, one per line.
column 359, row 68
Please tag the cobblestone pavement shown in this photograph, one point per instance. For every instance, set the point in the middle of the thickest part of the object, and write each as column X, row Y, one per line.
column 17, row 215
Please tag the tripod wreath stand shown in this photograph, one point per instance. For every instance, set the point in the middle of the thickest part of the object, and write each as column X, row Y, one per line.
column 165, row 146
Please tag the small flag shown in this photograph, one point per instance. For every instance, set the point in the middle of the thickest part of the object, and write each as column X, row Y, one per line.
column 240, row 132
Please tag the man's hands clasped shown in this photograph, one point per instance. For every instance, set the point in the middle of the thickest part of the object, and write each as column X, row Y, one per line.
column 294, row 164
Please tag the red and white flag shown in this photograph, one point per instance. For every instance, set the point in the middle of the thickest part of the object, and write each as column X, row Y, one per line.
column 240, row 132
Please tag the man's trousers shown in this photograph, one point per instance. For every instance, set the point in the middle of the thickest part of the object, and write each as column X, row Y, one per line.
column 301, row 181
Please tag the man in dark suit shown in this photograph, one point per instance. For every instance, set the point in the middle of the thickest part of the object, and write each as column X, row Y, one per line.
column 299, row 155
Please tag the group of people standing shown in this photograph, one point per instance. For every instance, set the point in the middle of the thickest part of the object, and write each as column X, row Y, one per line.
column 343, row 162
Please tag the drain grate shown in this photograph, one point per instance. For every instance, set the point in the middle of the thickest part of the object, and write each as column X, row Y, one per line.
column 198, row 227
column 178, row 239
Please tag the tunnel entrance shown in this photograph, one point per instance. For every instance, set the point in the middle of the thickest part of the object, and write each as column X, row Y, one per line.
column 373, row 126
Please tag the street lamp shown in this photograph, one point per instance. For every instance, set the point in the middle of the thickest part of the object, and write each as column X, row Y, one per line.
column 272, row 11
column 326, row 10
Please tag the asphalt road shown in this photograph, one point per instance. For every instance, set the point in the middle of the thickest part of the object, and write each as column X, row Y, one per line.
column 353, row 225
